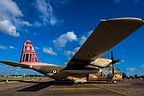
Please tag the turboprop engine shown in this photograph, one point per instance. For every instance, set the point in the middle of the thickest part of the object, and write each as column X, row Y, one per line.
column 101, row 62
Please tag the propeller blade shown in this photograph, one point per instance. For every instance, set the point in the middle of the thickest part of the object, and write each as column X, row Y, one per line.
column 117, row 61
column 112, row 57
column 113, row 61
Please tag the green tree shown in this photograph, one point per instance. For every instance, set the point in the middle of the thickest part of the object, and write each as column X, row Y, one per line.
column 131, row 77
column 124, row 75
column 136, row 76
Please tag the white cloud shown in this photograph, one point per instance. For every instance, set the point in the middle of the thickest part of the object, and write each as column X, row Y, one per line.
column 89, row 33
column 63, row 39
column 37, row 24
column 26, row 23
column 36, row 47
column 65, row 63
column 3, row 47
column 10, row 18
column 6, row 48
column 142, row 66
column 7, row 28
column 49, row 51
column 11, row 47
column 82, row 40
column 11, row 8
column 44, row 7
column 76, row 49
column 70, row 54
column 61, row 2
column 131, row 69
column 53, row 20
column 46, row 10
column 122, row 61
column 136, row 70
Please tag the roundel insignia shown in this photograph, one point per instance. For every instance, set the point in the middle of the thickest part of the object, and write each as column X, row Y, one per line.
column 54, row 71
column 106, row 72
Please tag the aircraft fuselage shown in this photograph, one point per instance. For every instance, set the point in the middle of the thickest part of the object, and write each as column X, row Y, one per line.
column 59, row 73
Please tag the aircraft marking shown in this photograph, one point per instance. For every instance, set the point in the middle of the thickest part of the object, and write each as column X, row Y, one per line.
column 54, row 71
column 106, row 72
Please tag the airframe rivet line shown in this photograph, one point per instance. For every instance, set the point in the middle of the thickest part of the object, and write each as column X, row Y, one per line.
column 108, row 89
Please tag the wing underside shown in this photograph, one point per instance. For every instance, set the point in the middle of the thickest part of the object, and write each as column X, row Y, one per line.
column 107, row 34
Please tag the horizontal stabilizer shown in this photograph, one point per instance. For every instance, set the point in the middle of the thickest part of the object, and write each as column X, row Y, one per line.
column 15, row 64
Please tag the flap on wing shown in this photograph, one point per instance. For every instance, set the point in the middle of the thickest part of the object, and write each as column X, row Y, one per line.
column 15, row 64
column 107, row 34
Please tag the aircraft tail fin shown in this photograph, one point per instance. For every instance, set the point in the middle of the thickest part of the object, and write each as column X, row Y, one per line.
column 28, row 53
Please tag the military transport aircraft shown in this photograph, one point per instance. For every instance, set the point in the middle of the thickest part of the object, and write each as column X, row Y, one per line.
column 86, row 64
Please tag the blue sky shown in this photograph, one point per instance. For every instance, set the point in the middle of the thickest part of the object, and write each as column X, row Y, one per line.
column 57, row 28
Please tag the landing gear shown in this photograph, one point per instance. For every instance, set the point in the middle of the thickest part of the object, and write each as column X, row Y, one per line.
column 114, row 82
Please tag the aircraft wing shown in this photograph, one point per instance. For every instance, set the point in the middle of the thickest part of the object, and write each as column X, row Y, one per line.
column 107, row 34
column 15, row 64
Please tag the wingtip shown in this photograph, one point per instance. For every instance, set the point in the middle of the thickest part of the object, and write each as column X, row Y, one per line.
column 129, row 19
column 143, row 20
column 3, row 61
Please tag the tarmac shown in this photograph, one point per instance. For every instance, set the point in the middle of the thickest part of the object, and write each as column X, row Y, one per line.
column 54, row 88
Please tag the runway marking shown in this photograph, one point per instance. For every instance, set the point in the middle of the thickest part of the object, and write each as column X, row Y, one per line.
column 109, row 89
column 73, row 88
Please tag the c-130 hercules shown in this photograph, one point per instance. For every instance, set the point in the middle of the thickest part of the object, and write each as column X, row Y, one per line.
column 86, row 65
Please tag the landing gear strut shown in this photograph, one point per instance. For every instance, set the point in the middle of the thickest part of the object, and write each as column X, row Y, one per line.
column 114, row 82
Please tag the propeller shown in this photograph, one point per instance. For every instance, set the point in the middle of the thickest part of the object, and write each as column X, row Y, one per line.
column 113, row 61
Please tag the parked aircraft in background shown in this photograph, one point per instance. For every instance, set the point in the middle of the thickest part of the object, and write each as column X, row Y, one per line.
column 86, row 64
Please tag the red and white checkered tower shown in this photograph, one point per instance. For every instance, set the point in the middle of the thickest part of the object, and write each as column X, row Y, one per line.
column 28, row 53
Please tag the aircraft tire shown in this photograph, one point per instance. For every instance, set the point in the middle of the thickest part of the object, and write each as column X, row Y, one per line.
column 115, row 82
